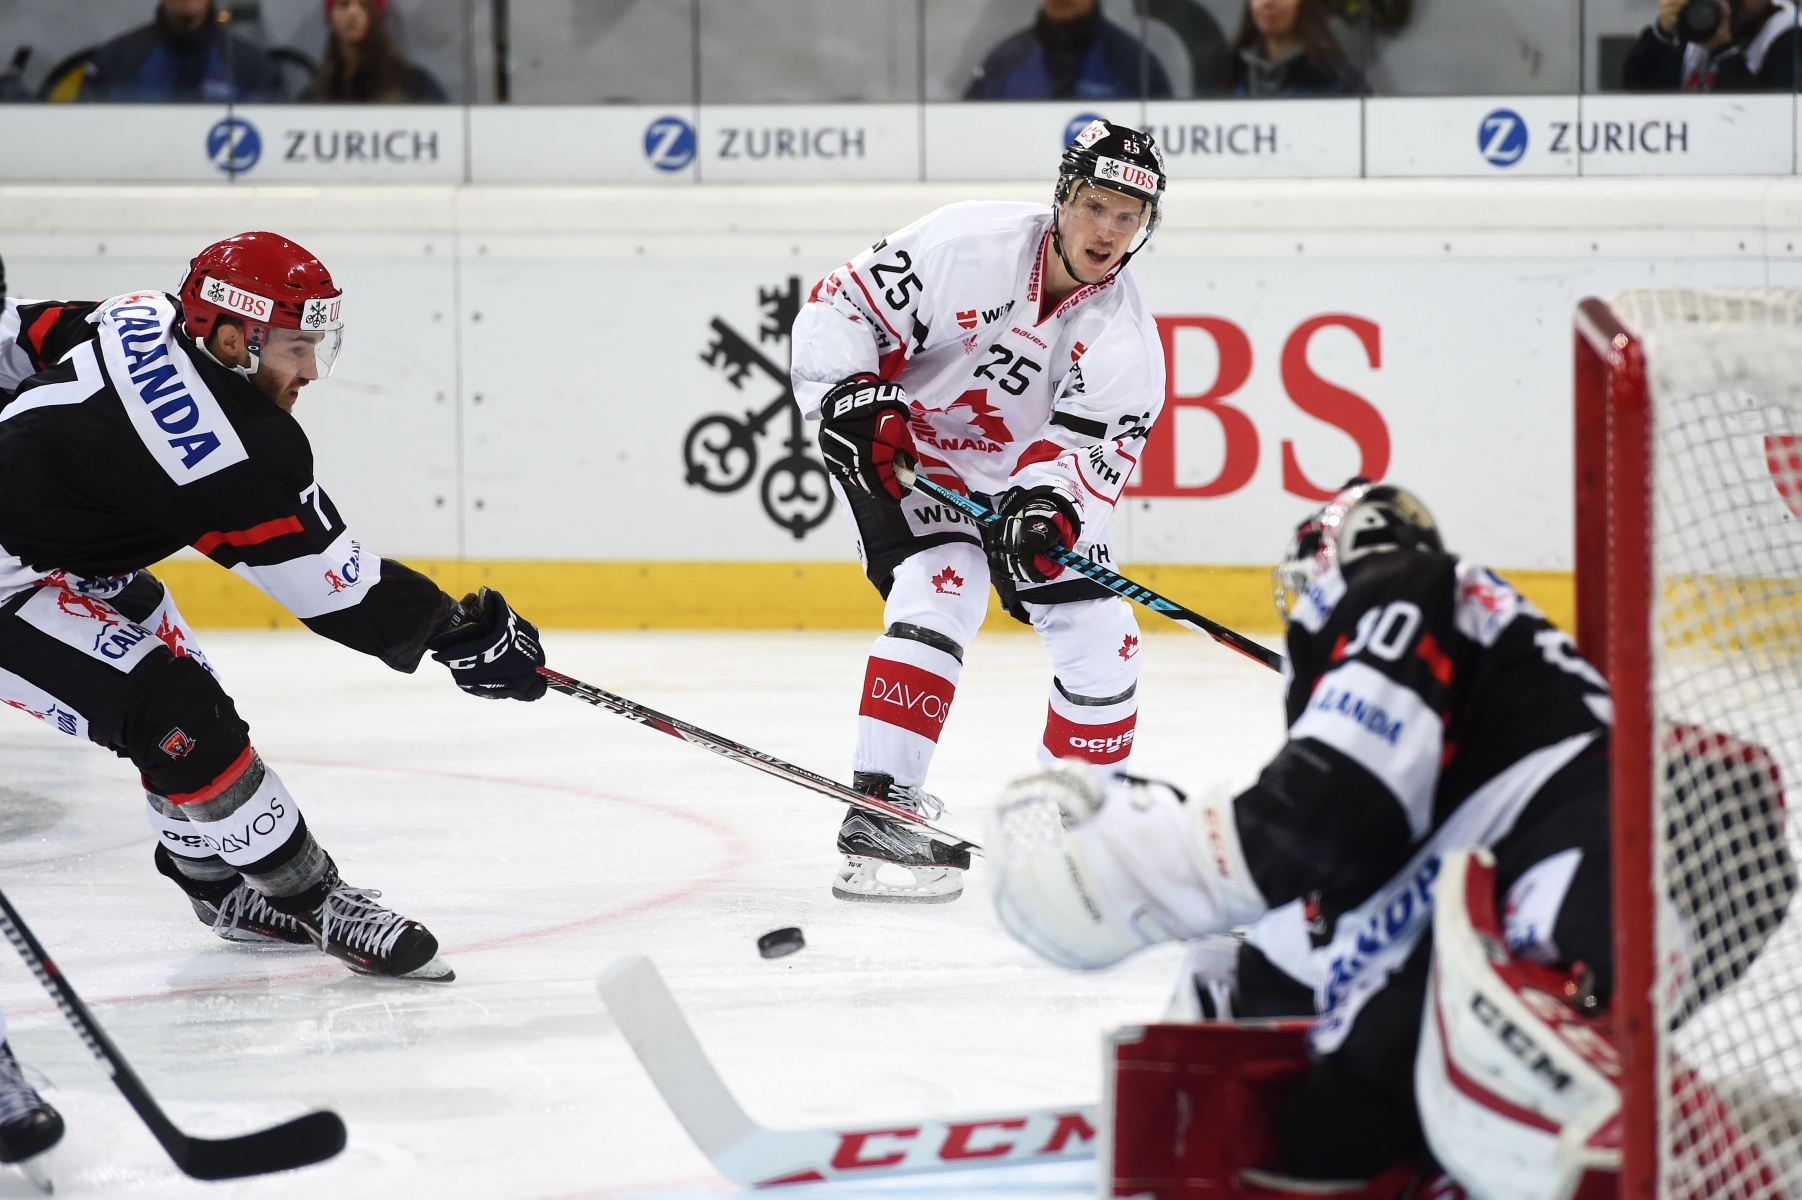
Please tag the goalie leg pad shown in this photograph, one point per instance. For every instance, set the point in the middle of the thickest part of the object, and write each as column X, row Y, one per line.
column 1514, row 1086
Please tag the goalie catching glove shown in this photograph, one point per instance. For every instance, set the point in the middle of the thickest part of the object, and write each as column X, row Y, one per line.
column 1034, row 523
column 1089, row 870
column 491, row 650
column 863, row 434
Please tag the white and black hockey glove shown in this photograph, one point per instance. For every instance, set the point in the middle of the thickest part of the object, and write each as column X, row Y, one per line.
column 491, row 650
column 1034, row 523
column 863, row 434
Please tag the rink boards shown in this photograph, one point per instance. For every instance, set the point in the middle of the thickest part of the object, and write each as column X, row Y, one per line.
column 533, row 375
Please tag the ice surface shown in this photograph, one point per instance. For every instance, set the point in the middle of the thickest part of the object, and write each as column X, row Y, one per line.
column 541, row 842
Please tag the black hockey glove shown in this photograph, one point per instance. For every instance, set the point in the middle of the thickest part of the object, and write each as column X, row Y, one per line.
column 863, row 434
column 491, row 650
column 1034, row 522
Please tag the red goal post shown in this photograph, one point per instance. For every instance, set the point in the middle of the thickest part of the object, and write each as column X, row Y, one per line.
column 1688, row 573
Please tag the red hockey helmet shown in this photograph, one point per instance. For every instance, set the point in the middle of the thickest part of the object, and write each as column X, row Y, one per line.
column 275, row 289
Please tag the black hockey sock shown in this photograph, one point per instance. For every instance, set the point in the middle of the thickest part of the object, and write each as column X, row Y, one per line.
column 306, row 901
column 209, row 880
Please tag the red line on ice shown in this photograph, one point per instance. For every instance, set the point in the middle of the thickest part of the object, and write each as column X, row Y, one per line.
column 733, row 846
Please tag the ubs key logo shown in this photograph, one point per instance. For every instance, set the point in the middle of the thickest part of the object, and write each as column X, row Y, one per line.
column 669, row 143
column 1502, row 138
column 720, row 450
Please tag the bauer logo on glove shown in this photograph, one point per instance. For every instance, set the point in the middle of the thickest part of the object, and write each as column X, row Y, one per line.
column 864, row 435
column 491, row 650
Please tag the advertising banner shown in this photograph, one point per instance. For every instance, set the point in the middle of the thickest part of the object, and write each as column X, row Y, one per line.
column 587, row 144
column 1238, row 139
column 1687, row 135
column 805, row 143
column 1489, row 136
column 1008, row 139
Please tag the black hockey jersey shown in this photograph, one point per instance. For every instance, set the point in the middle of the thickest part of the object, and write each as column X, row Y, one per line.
column 131, row 442
column 1412, row 684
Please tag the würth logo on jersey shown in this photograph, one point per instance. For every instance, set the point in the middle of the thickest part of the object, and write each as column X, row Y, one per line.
column 969, row 422
column 910, row 697
column 948, row 583
column 966, row 318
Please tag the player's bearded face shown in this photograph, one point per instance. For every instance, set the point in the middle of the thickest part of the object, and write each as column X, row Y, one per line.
column 1097, row 226
column 290, row 360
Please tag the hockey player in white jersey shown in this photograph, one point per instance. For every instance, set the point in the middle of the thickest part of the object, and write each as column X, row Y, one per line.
column 1004, row 351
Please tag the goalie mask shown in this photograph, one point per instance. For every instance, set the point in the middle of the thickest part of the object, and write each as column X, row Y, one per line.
column 1365, row 518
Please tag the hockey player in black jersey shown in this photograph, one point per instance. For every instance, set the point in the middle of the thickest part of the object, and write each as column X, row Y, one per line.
column 1431, row 709
column 150, row 422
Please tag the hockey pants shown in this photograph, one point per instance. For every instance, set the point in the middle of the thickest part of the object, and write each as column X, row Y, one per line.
column 113, row 661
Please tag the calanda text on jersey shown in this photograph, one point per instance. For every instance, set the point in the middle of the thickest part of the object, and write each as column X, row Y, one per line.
column 129, row 442
column 1006, row 389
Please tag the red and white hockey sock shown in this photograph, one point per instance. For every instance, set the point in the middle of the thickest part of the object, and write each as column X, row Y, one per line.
column 1096, row 729
column 907, row 692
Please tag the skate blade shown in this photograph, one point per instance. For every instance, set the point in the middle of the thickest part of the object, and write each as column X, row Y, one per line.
column 873, row 881
column 247, row 937
column 434, row 971
column 37, row 1170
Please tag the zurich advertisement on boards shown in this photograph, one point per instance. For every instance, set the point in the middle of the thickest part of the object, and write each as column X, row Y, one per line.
column 321, row 144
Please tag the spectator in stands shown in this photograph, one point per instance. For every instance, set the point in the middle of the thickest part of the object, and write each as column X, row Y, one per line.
column 1071, row 52
column 184, row 55
column 362, row 64
column 1715, row 46
column 1286, row 48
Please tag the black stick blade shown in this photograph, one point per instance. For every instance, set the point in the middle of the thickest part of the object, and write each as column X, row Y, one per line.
column 300, row 1143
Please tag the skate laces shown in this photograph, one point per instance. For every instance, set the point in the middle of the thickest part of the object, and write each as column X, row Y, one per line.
column 245, row 903
column 918, row 801
column 351, row 917
column 18, row 1098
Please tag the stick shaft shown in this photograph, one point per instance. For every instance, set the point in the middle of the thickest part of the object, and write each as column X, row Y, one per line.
column 92, row 1036
column 1119, row 584
column 725, row 747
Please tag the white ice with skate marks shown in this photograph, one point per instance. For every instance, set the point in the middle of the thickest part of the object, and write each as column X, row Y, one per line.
column 541, row 843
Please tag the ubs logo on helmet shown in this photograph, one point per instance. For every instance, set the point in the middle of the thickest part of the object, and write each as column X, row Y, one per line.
column 669, row 143
column 234, row 145
column 320, row 313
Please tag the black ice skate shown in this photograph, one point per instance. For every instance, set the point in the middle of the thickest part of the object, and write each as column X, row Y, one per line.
column 888, row 862
column 373, row 940
column 245, row 916
column 28, row 1126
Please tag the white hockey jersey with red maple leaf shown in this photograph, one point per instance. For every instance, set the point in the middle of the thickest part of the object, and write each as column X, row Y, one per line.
column 1005, row 389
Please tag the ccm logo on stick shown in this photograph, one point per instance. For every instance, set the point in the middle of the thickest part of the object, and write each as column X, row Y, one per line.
column 955, row 1141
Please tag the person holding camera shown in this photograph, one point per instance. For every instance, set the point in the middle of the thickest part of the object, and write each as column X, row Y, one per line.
column 1715, row 46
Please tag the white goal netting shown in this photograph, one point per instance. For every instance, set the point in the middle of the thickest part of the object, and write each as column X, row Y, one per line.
column 1724, row 383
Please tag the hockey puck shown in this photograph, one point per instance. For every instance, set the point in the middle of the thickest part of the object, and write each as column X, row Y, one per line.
column 779, row 943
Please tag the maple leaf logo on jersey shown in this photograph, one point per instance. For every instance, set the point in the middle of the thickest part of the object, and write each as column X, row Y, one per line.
column 969, row 422
column 1129, row 646
column 948, row 583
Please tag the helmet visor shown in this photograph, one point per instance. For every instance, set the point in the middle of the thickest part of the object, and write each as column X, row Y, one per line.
column 303, row 353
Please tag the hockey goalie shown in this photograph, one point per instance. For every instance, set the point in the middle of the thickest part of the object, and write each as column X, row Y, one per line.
column 1422, row 872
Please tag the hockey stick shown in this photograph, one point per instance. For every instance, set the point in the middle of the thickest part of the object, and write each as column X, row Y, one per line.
column 739, row 752
column 752, row 1156
column 1120, row 585
column 299, row 1143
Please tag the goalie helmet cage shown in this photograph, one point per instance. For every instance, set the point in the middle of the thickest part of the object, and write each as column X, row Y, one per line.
column 1688, row 456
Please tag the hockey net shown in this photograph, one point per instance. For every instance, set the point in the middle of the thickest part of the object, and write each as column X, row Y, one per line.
column 1689, row 596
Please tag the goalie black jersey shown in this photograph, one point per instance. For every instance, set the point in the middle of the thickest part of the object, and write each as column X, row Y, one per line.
column 130, row 442
column 1417, row 681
